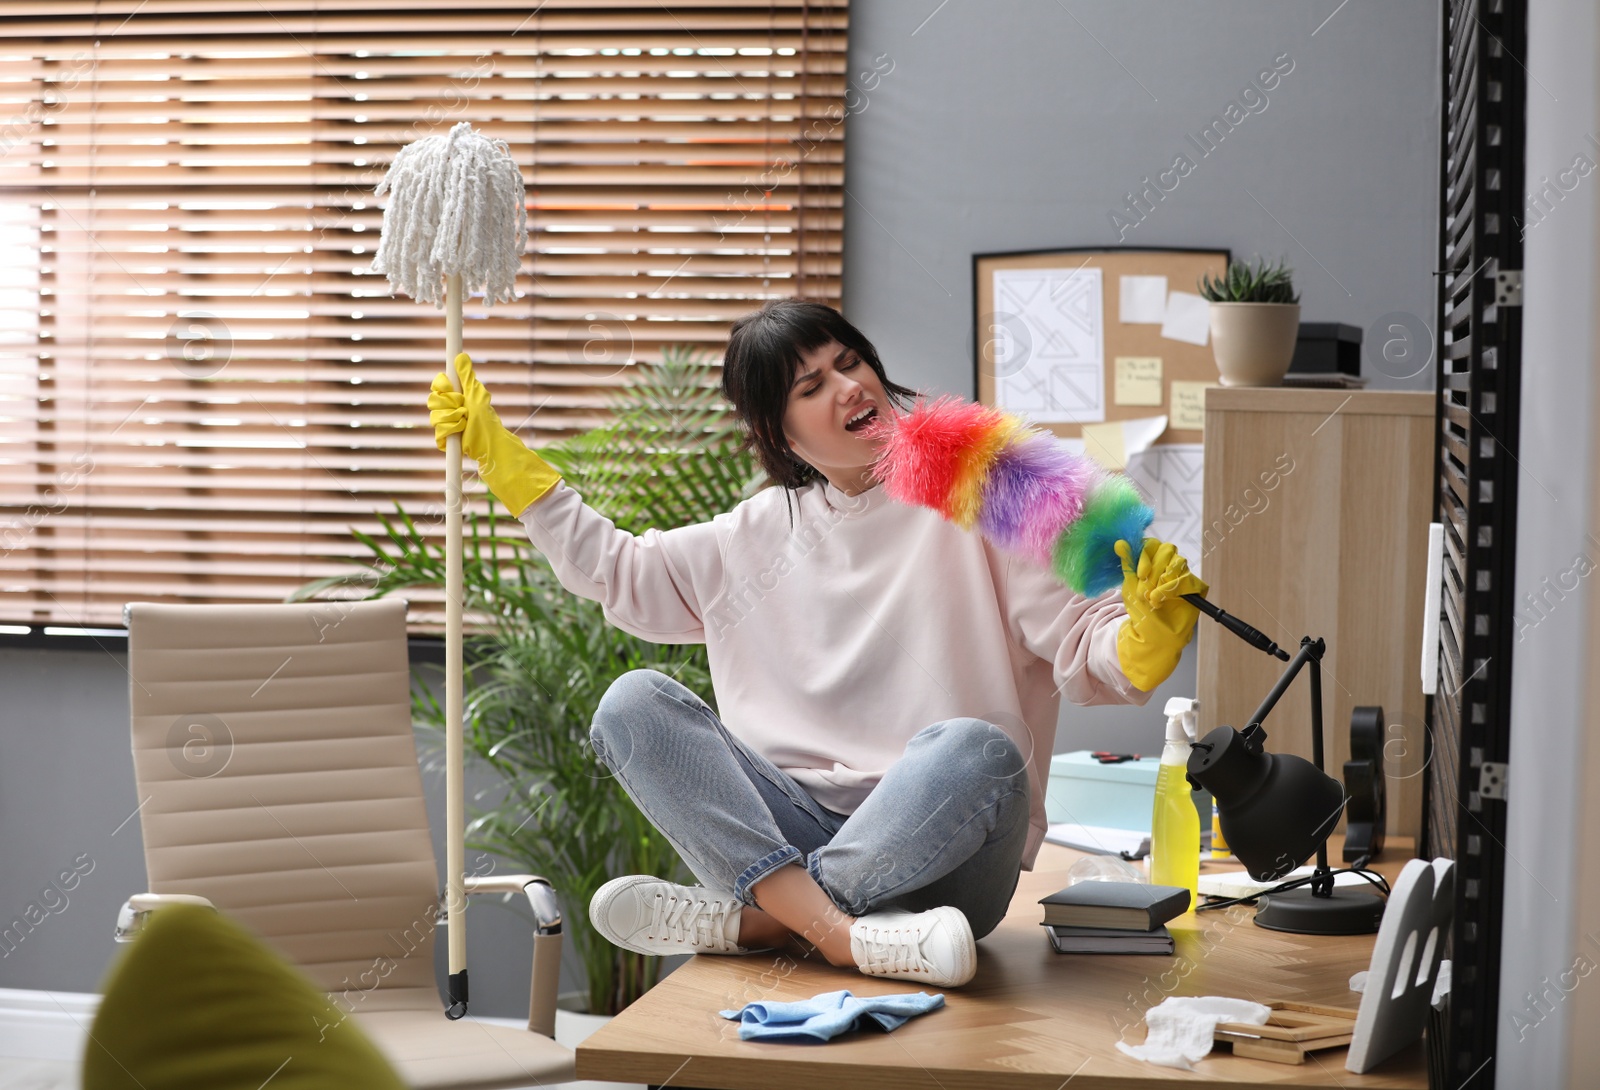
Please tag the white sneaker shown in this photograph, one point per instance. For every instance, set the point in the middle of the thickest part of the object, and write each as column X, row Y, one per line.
column 933, row 947
column 652, row 916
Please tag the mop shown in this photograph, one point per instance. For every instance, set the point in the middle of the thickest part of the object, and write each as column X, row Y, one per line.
column 456, row 222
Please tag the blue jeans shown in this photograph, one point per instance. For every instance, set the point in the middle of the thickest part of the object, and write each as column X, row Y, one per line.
column 945, row 825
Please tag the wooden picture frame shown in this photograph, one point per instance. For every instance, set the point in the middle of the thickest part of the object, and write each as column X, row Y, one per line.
column 1181, row 361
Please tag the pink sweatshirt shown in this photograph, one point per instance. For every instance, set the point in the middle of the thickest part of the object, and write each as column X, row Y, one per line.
column 832, row 643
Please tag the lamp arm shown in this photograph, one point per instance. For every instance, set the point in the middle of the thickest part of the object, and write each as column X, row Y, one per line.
column 1322, row 886
column 1309, row 650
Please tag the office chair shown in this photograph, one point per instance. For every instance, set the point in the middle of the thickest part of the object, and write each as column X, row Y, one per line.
column 278, row 781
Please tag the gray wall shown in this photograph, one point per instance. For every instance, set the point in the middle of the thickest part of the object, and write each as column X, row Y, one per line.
column 66, row 790
column 1020, row 124
column 1010, row 124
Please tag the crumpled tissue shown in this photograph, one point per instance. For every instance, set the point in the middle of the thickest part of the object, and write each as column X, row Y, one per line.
column 1182, row 1028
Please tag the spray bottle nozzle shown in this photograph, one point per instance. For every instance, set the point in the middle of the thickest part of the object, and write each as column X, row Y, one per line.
column 1183, row 720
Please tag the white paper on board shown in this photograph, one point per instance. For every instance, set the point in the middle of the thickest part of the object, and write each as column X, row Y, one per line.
column 1138, row 435
column 1171, row 476
column 1050, row 360
column 1143, row 299
column 1188, row 318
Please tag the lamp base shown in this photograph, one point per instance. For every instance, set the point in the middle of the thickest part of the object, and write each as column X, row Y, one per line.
column 1346, row 912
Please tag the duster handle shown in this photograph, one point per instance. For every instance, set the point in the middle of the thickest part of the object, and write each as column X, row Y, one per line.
column 455, row 811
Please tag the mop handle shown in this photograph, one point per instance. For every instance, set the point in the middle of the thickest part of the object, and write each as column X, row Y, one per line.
column 455, row 811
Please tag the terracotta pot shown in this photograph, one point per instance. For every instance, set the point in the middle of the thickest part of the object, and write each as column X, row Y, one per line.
column 1254, row 342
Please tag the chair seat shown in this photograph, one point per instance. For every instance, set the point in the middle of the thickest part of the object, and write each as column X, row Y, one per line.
column 430, row 1051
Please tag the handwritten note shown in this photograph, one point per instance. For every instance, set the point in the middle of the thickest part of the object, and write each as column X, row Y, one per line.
column 1138, row 380
column 1189, row 405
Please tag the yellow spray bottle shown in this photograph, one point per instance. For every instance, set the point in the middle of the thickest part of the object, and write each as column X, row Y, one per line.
column 1175, row 823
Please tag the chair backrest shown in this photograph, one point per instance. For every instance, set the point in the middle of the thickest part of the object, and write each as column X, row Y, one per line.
column 278, row 777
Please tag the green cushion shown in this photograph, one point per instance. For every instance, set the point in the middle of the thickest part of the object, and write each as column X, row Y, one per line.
column 198, row 1002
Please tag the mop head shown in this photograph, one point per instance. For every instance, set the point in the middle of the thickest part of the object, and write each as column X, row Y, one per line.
column 456, row 207
column 1024, row 491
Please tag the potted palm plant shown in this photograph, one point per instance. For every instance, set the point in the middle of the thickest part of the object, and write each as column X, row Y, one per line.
column 1255, row 320
column 541, row 657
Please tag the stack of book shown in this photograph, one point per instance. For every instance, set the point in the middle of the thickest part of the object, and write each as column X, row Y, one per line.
column 1113, row 917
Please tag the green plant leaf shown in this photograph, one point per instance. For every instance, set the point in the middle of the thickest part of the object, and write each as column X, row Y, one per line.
column 1250, row 282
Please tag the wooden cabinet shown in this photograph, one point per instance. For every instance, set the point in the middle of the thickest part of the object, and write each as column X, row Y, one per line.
column 1315, row 519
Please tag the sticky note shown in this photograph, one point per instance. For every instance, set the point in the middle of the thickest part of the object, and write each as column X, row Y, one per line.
column 1142, row 299
column 1138, row 380
column 1188, row 318
column 1189, row 405
column 1103, row 443
column 1112, row 444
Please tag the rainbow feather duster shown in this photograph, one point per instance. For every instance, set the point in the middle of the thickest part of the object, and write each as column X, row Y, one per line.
column 1024, row 491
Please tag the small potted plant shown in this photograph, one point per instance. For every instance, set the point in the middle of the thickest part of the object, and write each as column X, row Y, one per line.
column 1255, row 320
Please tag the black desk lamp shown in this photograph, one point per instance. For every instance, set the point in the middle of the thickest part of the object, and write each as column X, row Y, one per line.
column 1276, row 809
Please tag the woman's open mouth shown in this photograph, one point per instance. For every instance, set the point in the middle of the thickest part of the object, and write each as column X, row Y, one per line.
column 861, row 419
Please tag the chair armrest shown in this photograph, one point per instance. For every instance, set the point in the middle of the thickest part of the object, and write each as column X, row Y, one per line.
column 136, row 909
column 546, row 974
column 541, row 896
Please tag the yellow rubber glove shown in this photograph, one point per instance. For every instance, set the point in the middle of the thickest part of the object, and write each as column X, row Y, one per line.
column 1160, row 623
column 516, row 475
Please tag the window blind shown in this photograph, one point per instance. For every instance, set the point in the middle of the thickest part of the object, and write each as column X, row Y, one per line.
column 203, row 388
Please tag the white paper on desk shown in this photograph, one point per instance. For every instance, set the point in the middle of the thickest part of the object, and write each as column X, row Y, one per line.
column 1095, row 838
column 1142, row 299
column 1240, row 884
column 1188, row 318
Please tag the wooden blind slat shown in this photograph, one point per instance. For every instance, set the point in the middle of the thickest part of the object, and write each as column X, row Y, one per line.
column 41, row 62
column 117, row 9
column 526, row 47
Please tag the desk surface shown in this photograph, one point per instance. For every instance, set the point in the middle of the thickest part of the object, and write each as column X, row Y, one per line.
column 1030, row 1018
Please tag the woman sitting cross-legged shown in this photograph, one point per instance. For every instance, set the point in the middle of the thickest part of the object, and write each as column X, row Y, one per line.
column 888, row 683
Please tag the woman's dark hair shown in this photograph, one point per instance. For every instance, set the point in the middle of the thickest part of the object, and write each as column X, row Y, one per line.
column 758, row 368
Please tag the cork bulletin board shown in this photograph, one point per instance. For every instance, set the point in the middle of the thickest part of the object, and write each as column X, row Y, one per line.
column 1092, row 335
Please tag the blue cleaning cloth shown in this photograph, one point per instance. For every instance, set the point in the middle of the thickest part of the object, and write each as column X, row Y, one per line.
column 827, row 1015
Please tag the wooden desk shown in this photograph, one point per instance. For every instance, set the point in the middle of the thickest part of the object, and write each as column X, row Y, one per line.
column 1030, row 1018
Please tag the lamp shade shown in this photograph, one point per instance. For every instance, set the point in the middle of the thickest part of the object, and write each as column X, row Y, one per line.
column 1275, row 809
